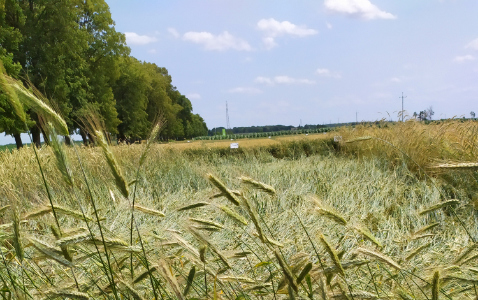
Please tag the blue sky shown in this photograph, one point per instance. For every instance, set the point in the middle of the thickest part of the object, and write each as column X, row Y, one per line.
column 279, row 62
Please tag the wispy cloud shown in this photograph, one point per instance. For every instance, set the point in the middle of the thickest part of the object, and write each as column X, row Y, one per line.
column 133, row 38
column 327, row 73
column 464, row 58
column 273, row 29
column 473, row 45
column 265, row 80
column 221, row 42
column 173, row 32
column 363, row 9
column 244, row 90
column 282, row 80
column 328, row 25
column 193, row 96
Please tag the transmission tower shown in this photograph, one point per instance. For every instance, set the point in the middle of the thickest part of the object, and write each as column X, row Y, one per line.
column 228, row 126
column 402, row 104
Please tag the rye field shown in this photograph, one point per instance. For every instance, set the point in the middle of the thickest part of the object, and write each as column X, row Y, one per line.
column 384, row 212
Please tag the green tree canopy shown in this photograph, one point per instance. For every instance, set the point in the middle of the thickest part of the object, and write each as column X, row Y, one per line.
column 72, row 53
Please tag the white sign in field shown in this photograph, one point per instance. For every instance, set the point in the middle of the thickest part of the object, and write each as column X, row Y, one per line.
column 337, row 138
column 234, row 145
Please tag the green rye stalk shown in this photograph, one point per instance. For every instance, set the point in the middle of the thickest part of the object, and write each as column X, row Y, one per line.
column 224, row 190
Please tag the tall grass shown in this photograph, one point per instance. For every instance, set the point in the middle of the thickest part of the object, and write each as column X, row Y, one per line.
column 426, row 144
column 309, row 223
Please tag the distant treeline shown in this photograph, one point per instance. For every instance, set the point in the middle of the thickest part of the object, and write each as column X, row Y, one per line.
column 258, row 129
column 269, row 134
column 72, row 53
column 306, row 128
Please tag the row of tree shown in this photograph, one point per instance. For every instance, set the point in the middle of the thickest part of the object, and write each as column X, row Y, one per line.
column 72, row 53
column 262, row 134
column 257, row 129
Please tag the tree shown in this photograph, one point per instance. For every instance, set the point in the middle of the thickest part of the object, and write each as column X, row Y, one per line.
column 197, row 126
column 69, row 50
column 10, row 123
column 472, row 114
column 10, row 38
column 131, row 94
column 50, row 54
column 429, row 113
column 422, row 115
column 105, row 53
column 159, row 101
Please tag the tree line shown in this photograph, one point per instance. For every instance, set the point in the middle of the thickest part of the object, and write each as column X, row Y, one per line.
column 72, row 53
column 259, row 129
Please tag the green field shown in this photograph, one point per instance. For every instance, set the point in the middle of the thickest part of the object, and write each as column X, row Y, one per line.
column 8, row 147
column 304, row 218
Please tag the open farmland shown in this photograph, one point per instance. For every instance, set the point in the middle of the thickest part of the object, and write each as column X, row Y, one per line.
column 339, row 221
column 248, row 143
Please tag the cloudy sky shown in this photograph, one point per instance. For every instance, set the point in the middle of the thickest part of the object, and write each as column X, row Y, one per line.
column 321, row 61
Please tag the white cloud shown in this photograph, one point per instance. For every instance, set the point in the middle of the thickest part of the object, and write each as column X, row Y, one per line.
column 464, row 58
column 193, row 96
column 244, row 90
column 327, row 73
column 273, row 28
column 173, row 32
column 152, row 51
column 269, row 42
column 363, row 9
column 328, row 25
column 265, row 80
column 473, row 44
column 395, row 80
column 221, row 42
column 282, row 80
column 133, row 38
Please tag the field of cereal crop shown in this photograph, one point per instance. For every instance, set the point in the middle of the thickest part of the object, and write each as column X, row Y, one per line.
column 365, row 218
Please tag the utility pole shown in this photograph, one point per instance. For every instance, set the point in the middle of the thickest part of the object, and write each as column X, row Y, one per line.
column 402, row 104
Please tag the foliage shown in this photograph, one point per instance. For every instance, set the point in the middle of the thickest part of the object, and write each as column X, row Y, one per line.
column 72, row 53
column 424, row 115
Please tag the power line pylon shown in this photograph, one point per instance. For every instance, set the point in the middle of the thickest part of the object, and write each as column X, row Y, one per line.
column 228, row 126
column 402, row 104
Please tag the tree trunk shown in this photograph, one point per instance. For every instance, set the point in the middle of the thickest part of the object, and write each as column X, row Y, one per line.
column 83, row 136
column 67, row 140
column 36, row 136
column 45, row 137
column 121, row 137
column 91, row 139
column 18, row 140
